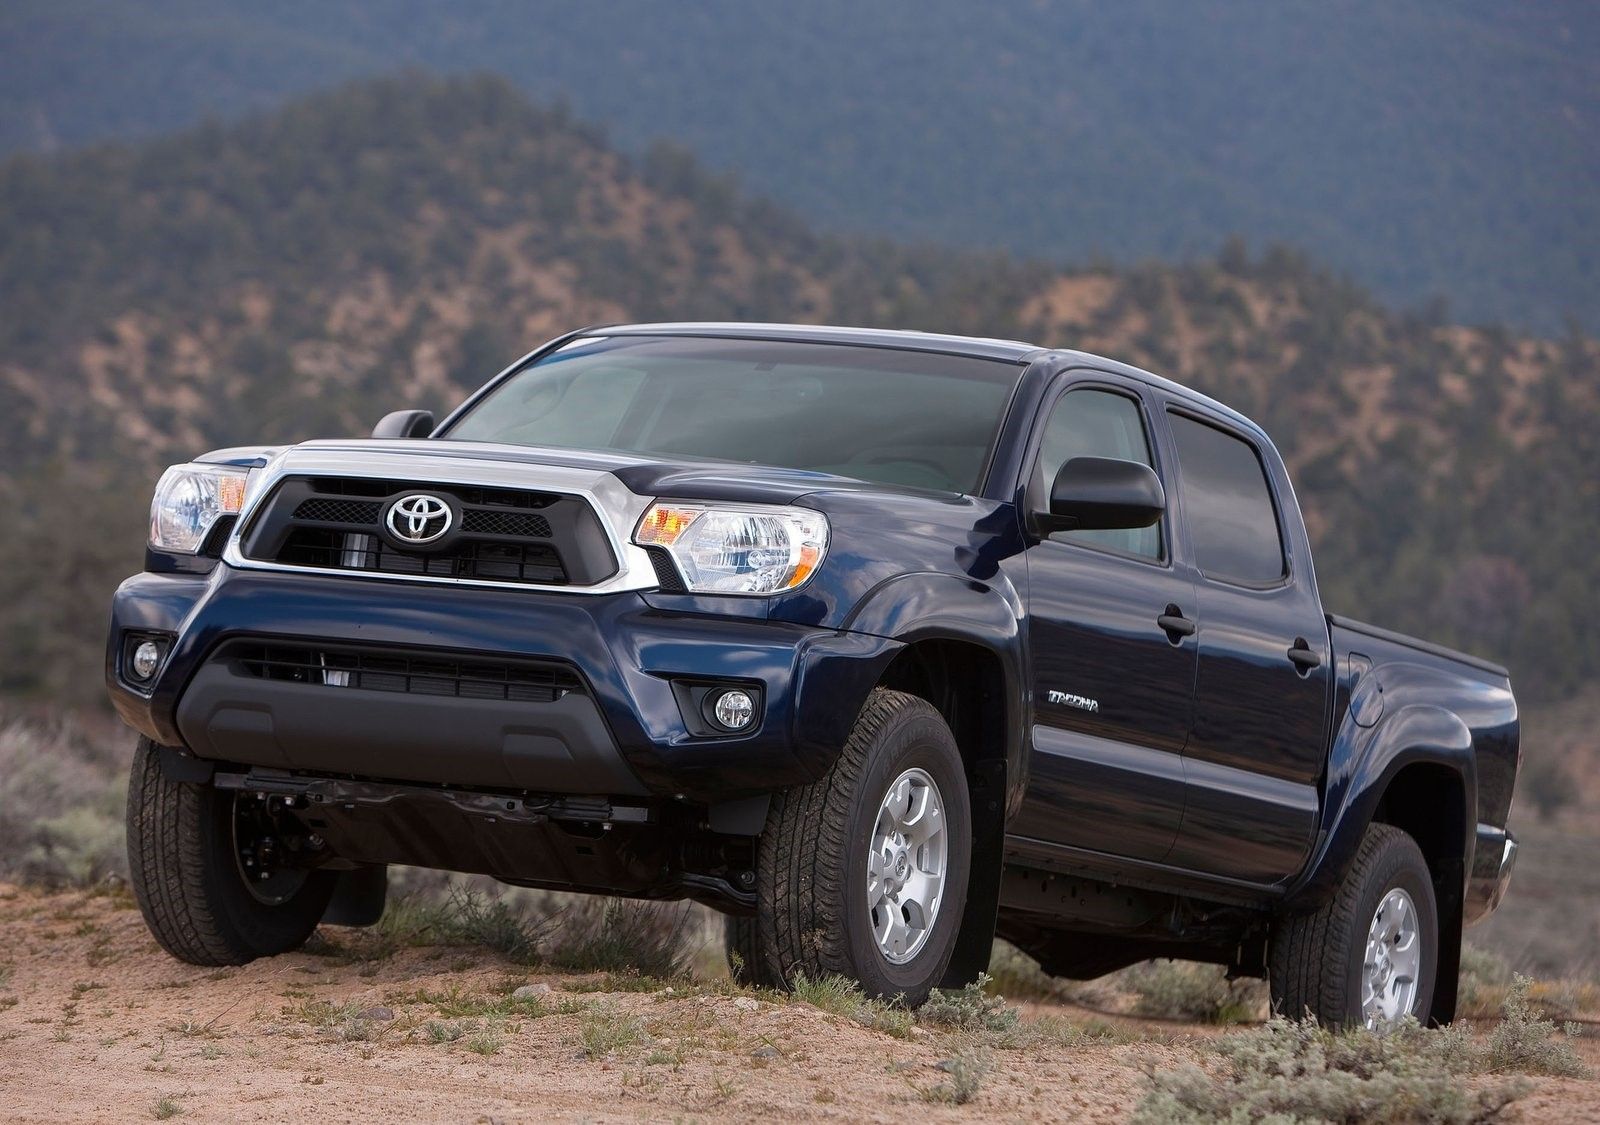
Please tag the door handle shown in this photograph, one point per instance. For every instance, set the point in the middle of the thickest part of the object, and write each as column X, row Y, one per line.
column 1301, row 656
column 1175, row 624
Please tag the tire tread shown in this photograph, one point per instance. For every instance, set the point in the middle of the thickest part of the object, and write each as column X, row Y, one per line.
column 1309, row 956
column 181, row 891
column 803, row 853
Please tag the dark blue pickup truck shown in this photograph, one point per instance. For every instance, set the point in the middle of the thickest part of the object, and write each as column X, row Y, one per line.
column 882, row 643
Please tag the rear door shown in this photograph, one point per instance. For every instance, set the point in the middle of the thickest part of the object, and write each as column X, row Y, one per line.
column 1112, row 689
column 1256, row 748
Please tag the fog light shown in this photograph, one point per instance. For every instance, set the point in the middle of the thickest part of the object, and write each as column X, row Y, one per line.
column 734, row 709
column 146, row 658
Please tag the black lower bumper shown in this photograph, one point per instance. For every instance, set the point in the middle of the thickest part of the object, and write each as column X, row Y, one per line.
column 610, row 723
column 398, row 724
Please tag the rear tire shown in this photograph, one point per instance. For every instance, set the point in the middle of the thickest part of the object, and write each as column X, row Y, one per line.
column 1351, row 962
column 187, row 880
column 898, row 792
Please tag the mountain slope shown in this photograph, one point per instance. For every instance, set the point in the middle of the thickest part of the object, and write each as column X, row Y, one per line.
column 394, row 243
column 1425, row 148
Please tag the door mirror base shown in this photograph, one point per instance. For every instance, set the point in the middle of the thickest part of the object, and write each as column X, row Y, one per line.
column 404, row 424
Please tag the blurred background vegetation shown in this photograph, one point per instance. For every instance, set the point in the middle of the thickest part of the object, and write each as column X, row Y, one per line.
column 1426, row 147
column 297, row 271
column 395, row 242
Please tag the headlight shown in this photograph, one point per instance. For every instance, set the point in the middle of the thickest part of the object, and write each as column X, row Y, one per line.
column 188, row 502
column 737, row 550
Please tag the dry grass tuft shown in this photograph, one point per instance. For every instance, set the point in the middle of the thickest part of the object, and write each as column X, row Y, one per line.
column 966, row 1070
column 650, row 939
column 606, row 1030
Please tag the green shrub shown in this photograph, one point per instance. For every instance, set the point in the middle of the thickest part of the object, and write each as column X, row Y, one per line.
column 1487, row 984
column 967, row 1069
column 1188, row 991
column 837, row 995
column 1526, row 1042
column 487, row 1040
column 1546, row 782
column 1292, row 1071
column 463, row 916
column 471, row 918
column 970, row 1009
column 62, row 794
column 439, row 1032
column 622, row 935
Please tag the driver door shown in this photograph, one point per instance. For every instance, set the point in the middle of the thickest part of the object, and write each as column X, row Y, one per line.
column 1113, row 689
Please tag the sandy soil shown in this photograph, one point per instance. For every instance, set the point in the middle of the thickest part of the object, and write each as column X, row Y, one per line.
column 97, row 1024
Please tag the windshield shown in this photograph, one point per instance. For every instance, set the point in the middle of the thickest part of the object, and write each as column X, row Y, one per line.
column 898, row 417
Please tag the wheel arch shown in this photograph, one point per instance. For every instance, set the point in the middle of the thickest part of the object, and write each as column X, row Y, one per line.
column 946, row 623
column 962, row 649
column 966, row 682
column 1414, row 770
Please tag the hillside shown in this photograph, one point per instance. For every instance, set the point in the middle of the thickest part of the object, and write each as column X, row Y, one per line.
column 395, row 242
column 1425, row 148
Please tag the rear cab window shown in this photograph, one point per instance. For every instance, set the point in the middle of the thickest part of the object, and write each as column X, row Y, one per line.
column 1228, row 505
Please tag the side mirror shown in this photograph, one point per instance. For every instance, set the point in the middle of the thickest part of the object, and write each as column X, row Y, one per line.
column 404, row 424
column 1104, row 494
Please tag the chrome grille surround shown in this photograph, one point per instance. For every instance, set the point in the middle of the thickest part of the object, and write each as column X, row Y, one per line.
column 617, row 508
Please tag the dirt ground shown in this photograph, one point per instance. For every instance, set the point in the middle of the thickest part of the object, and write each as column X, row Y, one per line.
column 97, row 1024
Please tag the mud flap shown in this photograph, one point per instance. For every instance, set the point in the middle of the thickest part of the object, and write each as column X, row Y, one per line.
column 975, row 942
column 1448, row 883
column 359, row 897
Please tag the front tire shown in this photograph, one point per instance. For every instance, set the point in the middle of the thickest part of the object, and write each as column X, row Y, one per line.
column 187, row 879
column 864, row 872
column 745, row 963
column 1369, row 955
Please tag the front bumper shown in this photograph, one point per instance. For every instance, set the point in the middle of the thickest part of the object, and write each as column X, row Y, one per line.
column 620, row 732
column 1493, row 862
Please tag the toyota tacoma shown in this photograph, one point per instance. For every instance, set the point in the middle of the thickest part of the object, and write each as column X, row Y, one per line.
column 881, row 643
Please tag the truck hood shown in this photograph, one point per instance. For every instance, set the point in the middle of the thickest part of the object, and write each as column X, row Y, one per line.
column 678, row 478
column 878, row 533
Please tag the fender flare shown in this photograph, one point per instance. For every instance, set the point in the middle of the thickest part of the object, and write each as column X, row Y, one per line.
column 934, row 606
column 1362, row 763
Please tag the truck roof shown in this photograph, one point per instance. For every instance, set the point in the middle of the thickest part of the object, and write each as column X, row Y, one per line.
column 979, row 347
column 1016, row 351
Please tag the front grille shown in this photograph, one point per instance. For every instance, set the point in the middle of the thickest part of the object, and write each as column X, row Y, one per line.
column 510, row 535
column 339, row 511
column 398, row 670
column 512, row 525
column 534, row 563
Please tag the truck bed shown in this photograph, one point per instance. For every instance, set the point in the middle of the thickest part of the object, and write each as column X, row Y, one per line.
column 1351, row 625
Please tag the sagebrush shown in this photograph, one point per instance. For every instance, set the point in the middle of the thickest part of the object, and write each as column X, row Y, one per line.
column 63, row 788
column 1296, row 1071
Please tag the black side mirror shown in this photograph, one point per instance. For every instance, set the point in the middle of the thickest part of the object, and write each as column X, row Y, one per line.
column 404, row 424
column 1104, row 494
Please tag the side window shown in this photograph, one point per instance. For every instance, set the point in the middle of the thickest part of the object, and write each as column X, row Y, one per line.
column 1096, row 423
column 1227, row 504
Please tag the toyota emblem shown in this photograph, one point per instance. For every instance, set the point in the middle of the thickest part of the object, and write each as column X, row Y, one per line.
column 419, row 518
